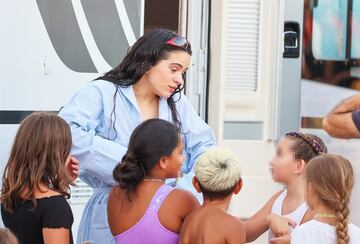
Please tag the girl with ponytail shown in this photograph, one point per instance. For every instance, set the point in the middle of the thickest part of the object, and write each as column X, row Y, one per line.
column 142, row 208
column 330, row 179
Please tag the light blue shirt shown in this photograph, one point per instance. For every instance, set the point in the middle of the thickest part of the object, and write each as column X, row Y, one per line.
column 99, row 147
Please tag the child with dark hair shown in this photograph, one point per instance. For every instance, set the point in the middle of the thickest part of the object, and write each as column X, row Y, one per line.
column 142, row 208
column 36, row 181
column 329, row 180
column 217, row 177
column 288, row 166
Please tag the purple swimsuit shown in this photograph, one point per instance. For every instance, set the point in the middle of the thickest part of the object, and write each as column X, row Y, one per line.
column 149, row 229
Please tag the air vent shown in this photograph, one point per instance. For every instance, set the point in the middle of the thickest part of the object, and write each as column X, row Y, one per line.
column 242, row 45
column 80, row 193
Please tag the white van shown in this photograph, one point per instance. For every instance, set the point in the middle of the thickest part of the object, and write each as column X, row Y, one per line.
column 245, row 79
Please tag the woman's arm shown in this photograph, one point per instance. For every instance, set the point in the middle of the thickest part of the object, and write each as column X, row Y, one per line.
column 85, row 114
column 198, row 138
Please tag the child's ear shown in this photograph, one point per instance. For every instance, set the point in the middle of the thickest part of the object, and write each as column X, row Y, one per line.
column 299, row 166
column 238, row 186
column 196, row 185
column 163, row 162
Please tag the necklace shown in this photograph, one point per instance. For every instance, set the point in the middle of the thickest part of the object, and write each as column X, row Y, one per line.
column 324, row 215
column 154, row 180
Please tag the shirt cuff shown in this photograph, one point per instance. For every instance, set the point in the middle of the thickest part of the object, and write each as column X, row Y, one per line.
column 356, row 118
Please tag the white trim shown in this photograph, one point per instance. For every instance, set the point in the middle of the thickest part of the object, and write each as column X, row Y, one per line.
column 96, row 56
column 125, row 22
column 142, row 16
column 279, row 67
column 197, row 30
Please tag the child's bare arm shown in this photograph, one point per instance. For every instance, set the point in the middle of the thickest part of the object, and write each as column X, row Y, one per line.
column 279, row 225
column 257, row 224
column 285, row 239
column 56, row 235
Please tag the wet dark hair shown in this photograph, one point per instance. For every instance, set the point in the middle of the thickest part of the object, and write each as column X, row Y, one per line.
column 145, row 53
column 151, row 140
column 306, row 146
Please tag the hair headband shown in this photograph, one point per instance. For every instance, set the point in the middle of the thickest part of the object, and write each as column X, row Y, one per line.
column 315, row 145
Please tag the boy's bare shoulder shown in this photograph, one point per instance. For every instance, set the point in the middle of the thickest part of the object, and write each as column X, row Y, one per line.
column 219, row 216
column 236, row 230
column 231, row 229
column 235, row 222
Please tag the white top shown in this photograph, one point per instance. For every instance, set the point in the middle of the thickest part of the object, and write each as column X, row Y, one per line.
column 297, row 215
column 318, row 232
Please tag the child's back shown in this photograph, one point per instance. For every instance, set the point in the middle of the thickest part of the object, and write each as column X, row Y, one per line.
column 142, row 208
column 217, row 176
column 155, row 216
column 209, row 225
column 322, row 233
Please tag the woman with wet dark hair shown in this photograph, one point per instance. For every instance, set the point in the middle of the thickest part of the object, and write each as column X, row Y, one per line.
column 103, row 114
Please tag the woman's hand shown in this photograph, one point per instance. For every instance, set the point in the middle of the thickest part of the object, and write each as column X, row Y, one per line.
column 72, row 169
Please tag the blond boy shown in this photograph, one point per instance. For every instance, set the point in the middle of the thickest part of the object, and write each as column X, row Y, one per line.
column 217, row 177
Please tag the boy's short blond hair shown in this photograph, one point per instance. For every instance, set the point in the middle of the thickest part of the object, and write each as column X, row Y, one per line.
column 218, row 170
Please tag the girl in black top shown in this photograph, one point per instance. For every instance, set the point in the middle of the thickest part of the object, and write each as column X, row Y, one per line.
column 36, row 181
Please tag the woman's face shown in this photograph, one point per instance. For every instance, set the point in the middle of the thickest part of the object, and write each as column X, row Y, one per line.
column 166, row 76
column 282, row 165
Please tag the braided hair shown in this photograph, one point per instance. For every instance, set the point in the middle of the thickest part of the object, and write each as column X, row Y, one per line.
column 332, row 179
column 306, row 146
